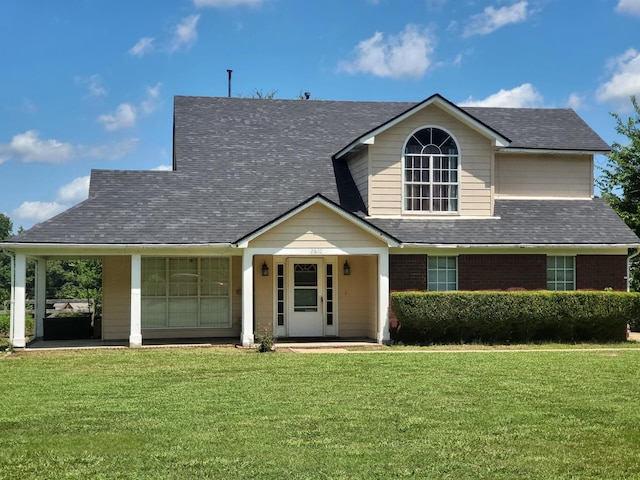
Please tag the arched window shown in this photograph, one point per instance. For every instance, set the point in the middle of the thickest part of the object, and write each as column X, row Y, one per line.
column 431, row 179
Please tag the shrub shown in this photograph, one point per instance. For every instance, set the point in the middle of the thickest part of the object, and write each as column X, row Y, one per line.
column 504, row 317
column 5, row 324
column 266, row 341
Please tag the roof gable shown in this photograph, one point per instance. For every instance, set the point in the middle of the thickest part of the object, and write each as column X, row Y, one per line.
column 335, row 209
column 449, row 107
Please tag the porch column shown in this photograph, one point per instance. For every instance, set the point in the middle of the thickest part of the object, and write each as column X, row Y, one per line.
column 246, row 336
column 17, row 335
column 135, row 337
column 383, row 297
column 41, row 297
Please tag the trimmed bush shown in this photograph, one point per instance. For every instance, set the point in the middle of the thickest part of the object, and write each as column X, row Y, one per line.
column 513, row 317
column 5, row 324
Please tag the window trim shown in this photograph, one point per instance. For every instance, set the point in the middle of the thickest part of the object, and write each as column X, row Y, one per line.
column 430, row 183
column 457, row 270
column 555, row 281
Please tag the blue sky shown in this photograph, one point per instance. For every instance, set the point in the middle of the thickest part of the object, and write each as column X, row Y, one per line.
column 90, row 83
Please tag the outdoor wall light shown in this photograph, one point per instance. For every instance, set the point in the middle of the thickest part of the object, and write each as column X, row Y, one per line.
column 265, row 269
column 346, row 269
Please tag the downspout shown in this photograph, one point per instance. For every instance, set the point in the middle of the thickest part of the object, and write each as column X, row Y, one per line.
column 630, row 256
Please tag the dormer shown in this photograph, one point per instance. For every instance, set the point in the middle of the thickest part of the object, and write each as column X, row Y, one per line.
column 434, row 160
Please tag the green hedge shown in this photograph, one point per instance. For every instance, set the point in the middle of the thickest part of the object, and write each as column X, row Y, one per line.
column 5, row 324
column 513, row 317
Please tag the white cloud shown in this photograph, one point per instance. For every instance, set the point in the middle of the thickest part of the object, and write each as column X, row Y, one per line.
column 123, row 117
column 75, row 191
column 38, row 211
column 519, row 97
column 28, row 147
column 401, row 56
column 631, row 7
column 143, row 47
column 152, row 100
column 226, row 3
column 109, row 151
column 625, row 79
column 163, row 168
column 492, row 19
column 69, row 194
column 93, row 84
column 575, row 101
column 185, row 34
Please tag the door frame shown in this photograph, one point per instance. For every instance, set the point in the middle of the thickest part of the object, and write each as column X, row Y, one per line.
column 284, row 296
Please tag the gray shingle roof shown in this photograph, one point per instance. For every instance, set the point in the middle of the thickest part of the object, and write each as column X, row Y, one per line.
column 541, row 128
column 240, row 163
column 521, row 222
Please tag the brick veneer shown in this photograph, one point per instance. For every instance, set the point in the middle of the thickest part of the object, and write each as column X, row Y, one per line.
column 597, row 272
column 501, row 272
column 407, row 272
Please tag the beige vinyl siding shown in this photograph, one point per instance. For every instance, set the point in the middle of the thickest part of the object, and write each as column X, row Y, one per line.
column 316, row 227
column 539, row 175
column 476, row 156
column 359, row 168
column 357, row 297
column 116, row 297
column 263, row 296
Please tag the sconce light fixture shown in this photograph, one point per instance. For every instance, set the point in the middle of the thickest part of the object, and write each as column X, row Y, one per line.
column 265, row 269
column 346, row 269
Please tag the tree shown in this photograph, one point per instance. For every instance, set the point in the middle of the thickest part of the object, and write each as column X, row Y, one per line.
column 6, row 229
column 620, row 180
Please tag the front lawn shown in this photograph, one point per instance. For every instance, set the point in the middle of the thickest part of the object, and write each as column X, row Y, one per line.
column 213, row 413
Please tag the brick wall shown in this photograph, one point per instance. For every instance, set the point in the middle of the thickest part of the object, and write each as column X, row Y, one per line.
column 407, row 272
column 597, row 272
column 500, row 272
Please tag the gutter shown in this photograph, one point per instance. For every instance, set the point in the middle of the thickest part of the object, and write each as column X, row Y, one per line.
column 521, row 245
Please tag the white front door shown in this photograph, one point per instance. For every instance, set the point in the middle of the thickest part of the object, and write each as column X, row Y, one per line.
column 306, row 294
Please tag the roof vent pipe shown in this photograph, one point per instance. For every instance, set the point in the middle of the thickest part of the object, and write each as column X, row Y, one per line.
column 229, row 81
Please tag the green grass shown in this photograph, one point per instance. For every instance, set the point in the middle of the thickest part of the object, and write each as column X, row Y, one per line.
column 213, row 413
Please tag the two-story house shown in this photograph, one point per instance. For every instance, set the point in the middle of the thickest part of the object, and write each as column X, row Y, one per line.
column 300, row 217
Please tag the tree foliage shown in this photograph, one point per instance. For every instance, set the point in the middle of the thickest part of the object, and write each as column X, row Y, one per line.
column 6, row 229
column 620, row 180
column 77, row 279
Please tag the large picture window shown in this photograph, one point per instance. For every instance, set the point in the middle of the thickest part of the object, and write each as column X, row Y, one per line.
column 186, row 292
column 431, row 172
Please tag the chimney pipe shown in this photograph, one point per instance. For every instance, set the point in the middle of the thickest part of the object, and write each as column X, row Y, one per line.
column 229, row 73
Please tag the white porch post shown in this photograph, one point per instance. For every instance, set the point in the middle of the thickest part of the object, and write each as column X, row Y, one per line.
column 383, row 297
column 41, row 296
column 135, row 337
column 246, row 336
column 18, row 306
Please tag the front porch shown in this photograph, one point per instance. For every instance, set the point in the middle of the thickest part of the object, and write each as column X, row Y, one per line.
column 212, row 342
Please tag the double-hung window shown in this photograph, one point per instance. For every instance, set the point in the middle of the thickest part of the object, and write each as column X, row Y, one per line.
column 431, row 164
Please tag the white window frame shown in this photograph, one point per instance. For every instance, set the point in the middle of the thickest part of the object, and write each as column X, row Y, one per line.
column 431, row 183
column 441, row 271
column 559, row 273
column 198, row 295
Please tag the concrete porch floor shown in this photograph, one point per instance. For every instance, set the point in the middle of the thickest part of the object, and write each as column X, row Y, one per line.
column 286, row 343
